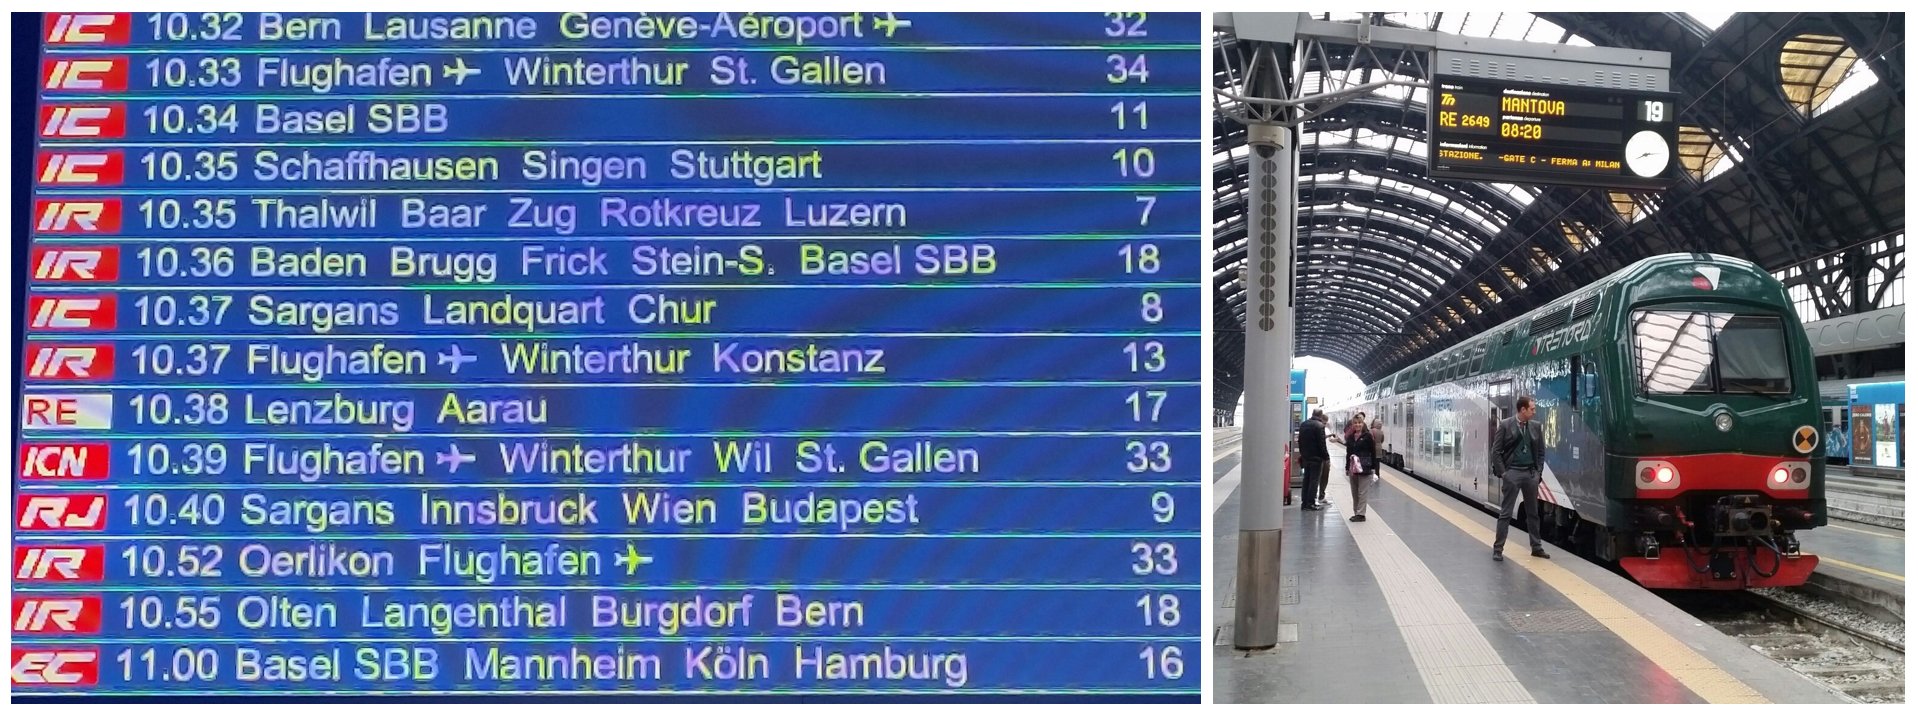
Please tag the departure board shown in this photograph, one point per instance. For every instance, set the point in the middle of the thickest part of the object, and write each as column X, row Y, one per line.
column 1482, row 129
column 610, row 354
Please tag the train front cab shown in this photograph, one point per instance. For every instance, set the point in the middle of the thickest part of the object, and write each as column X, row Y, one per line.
column 1718, row 458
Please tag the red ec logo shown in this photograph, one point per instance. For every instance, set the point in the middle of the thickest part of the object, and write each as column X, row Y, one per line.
column 66, row 666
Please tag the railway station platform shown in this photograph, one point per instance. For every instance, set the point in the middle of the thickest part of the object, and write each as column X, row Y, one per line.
column 1861, row 557
column 1409, row 607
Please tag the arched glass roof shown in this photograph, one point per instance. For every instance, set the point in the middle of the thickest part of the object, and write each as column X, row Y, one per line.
column 1416, row 264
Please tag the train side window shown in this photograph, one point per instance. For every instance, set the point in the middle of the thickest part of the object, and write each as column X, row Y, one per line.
column 1577, row 373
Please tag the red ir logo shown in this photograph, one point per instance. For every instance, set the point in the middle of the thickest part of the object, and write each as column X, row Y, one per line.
column 60, row 216
column 77, row 615
column 76, row 263
column 60, row 564
column 69, row 362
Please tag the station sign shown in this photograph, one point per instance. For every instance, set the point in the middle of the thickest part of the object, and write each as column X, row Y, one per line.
column 1550, row 134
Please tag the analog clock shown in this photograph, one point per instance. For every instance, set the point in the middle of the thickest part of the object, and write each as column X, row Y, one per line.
column 1647, row 154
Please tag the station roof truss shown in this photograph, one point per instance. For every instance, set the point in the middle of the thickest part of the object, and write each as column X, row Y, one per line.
column 1791, row 136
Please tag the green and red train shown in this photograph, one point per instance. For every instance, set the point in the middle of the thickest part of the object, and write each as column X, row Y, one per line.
column 1681, row 417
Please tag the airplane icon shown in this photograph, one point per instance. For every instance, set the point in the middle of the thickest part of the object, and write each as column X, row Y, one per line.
column 459, row 71
column 457, row 358
column 890, row 24
column 456, row 457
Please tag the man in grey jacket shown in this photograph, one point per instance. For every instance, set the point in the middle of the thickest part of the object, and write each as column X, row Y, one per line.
column 1518, row 457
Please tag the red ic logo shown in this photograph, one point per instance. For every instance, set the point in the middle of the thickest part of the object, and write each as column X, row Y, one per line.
column 89, row 28
column 90, row 74
column 67, row 666
column 105, row 120
column 74, row 263
column 64, row 461
column 90, row 169
column 64, row 362
column 60, row 564
column 63, row 216
column 71, row 312
column 56, row 616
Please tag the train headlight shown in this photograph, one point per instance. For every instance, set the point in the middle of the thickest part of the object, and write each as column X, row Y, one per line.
column 1723, row 421
column 1657, row 475
column 1790, row 475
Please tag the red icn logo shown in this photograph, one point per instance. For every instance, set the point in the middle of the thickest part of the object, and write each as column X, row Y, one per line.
column 90, row 74
column 73, row 263
column 84, row 512
column 64, row 461
column 60, row 216
column 69, row 362
column 67, row 666
column 90, row 28
column 102, row 120
column 97, row 169
column 56, row 616
column 71, row 312
column 60, row 564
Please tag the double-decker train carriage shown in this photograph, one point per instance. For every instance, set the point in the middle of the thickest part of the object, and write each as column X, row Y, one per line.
column 1681, row 415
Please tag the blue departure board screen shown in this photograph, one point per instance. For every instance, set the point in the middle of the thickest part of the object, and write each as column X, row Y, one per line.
column 609, row 354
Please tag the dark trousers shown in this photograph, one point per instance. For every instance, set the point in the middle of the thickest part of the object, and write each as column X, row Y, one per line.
column 1314, row 470
column 1518, row 482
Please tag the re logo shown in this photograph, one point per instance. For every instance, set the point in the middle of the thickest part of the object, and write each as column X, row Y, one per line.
column 83, row 512
column 60, row 564
column 104, row 120
column 88, row 74
column 63, row 412
column 89, row 28
column 71, row 312
column 66, row 666
column 56, row 616
column 64, row 461
column 69, row 362
column 87, row 169
column 75, row 263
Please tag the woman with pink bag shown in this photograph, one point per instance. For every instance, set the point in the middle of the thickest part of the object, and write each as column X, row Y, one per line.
column 1361, row 464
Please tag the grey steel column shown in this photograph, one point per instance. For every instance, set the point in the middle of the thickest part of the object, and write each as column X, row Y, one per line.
column 1271, row 226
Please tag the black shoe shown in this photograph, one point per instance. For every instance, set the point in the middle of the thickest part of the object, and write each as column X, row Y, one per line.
column 1309, row 508
column 1540, row 553
column 1498, row 555
column 1356, row 518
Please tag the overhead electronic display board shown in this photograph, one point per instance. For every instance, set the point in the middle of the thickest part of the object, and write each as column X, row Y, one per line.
column 637, row 354
column 1484, row 129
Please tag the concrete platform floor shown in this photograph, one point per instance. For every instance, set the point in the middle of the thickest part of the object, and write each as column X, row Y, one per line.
column 1409, row 607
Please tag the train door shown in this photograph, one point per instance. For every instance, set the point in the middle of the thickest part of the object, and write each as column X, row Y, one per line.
column 1503, row 399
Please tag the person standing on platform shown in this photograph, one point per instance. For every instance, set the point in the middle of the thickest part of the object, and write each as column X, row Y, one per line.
column 1518, row 454
column 1325, row 471
column 1314, row 460
column 1361, row 463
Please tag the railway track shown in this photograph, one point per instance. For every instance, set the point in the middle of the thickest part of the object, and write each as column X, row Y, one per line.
column 1851, row 653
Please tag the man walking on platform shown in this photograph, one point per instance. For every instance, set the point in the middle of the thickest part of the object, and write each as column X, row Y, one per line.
column 1314, row 460
column 1518, row 454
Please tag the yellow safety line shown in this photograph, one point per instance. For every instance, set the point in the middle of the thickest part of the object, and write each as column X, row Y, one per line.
column 1698, row 674
column 1866, row 569
column 1856, row 530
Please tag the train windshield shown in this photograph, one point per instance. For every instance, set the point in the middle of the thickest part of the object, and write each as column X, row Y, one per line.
column 1701, row 352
